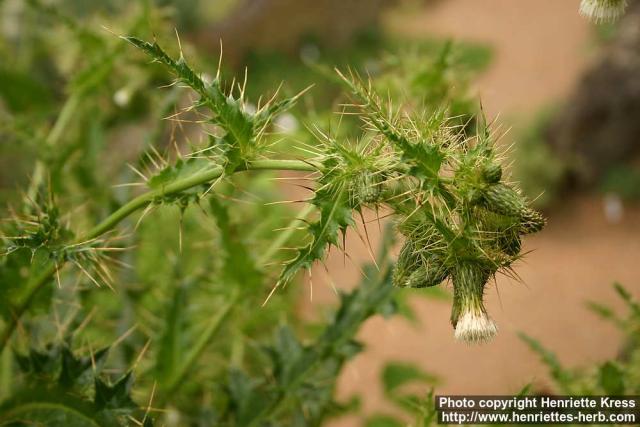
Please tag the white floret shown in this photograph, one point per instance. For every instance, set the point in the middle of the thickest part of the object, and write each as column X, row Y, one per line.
column 475, row 326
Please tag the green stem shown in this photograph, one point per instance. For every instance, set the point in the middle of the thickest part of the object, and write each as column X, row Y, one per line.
column 191, row 358
column 197, row 179
column 285, row 235
column 64, row 118
column 6, row 359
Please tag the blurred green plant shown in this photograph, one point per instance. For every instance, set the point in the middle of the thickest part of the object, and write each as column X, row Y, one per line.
column 622, row 180
column 397, row 379
column 538, row 171
column 618, row 376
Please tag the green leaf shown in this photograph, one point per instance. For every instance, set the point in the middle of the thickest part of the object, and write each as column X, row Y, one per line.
column 80, row 370
column 114, row 396
column 228, row 110
column 611, row 379
column 40, row 363
column 239, row 266
column 172, row 339
column 21, row 92
column 53, row 408
column 242, row 129
column 335, row 217
column 628, row 298
column 397, row 374
column 298, row 389
column 601, row 310
column 525, row 391
column 384, row 421
column 562, row 377
column 246, row 400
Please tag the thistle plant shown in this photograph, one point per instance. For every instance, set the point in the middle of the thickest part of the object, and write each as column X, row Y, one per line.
column 445, row 189
column 603, row 10
column 185, row 316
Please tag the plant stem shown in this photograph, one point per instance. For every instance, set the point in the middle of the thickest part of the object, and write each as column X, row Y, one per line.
column 282, row 238
column 6, row 360
column 198, row 178
column 64, row 118
column 196, row 351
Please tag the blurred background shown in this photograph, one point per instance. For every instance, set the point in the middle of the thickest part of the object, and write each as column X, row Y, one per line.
column 564, row 92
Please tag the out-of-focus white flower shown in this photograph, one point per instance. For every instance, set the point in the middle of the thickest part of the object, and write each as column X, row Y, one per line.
column 286, row 123
column 613, row 208
column 309, row 53
column 603, row 10
column 122, row 97
column 172, row 418
column 372, row 67
column 474, row 326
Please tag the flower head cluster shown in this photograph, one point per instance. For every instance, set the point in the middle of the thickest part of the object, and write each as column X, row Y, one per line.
column 461, row 221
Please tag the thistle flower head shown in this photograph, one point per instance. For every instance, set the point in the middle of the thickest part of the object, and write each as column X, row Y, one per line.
column 603, row 10
column 469, row 316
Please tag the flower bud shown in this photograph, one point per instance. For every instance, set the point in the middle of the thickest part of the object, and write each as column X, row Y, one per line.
column 407, row 263
column 532, row 221
column 469, row 316
column 366, row 188
column 418, row 267
column 430, row 273
column 503, row 200
column 492, row 173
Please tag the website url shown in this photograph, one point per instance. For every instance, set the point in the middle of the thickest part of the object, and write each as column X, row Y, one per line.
column 478, row 417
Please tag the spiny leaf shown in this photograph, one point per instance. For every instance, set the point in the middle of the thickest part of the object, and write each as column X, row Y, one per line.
column 78, row 370
column 246, row 399
column 335, row 217
column 626, row 296
column 305, row 375
column 114, row 396
column 63, row 389
column 229, row 112
column 242, row 128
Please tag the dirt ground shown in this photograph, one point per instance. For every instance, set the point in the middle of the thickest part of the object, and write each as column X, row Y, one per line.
column 541, row 46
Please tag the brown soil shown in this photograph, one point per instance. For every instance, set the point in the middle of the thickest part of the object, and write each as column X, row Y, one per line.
column 541, row 47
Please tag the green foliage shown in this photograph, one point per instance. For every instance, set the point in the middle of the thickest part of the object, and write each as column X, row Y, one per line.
column 538, row 170
column 242, row 128
column 618, row 376
column 65, row 390
column 298, row 386
column 623, row 181
column 420, row 408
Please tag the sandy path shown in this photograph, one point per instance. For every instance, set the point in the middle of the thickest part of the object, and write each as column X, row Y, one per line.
column 541, row 46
